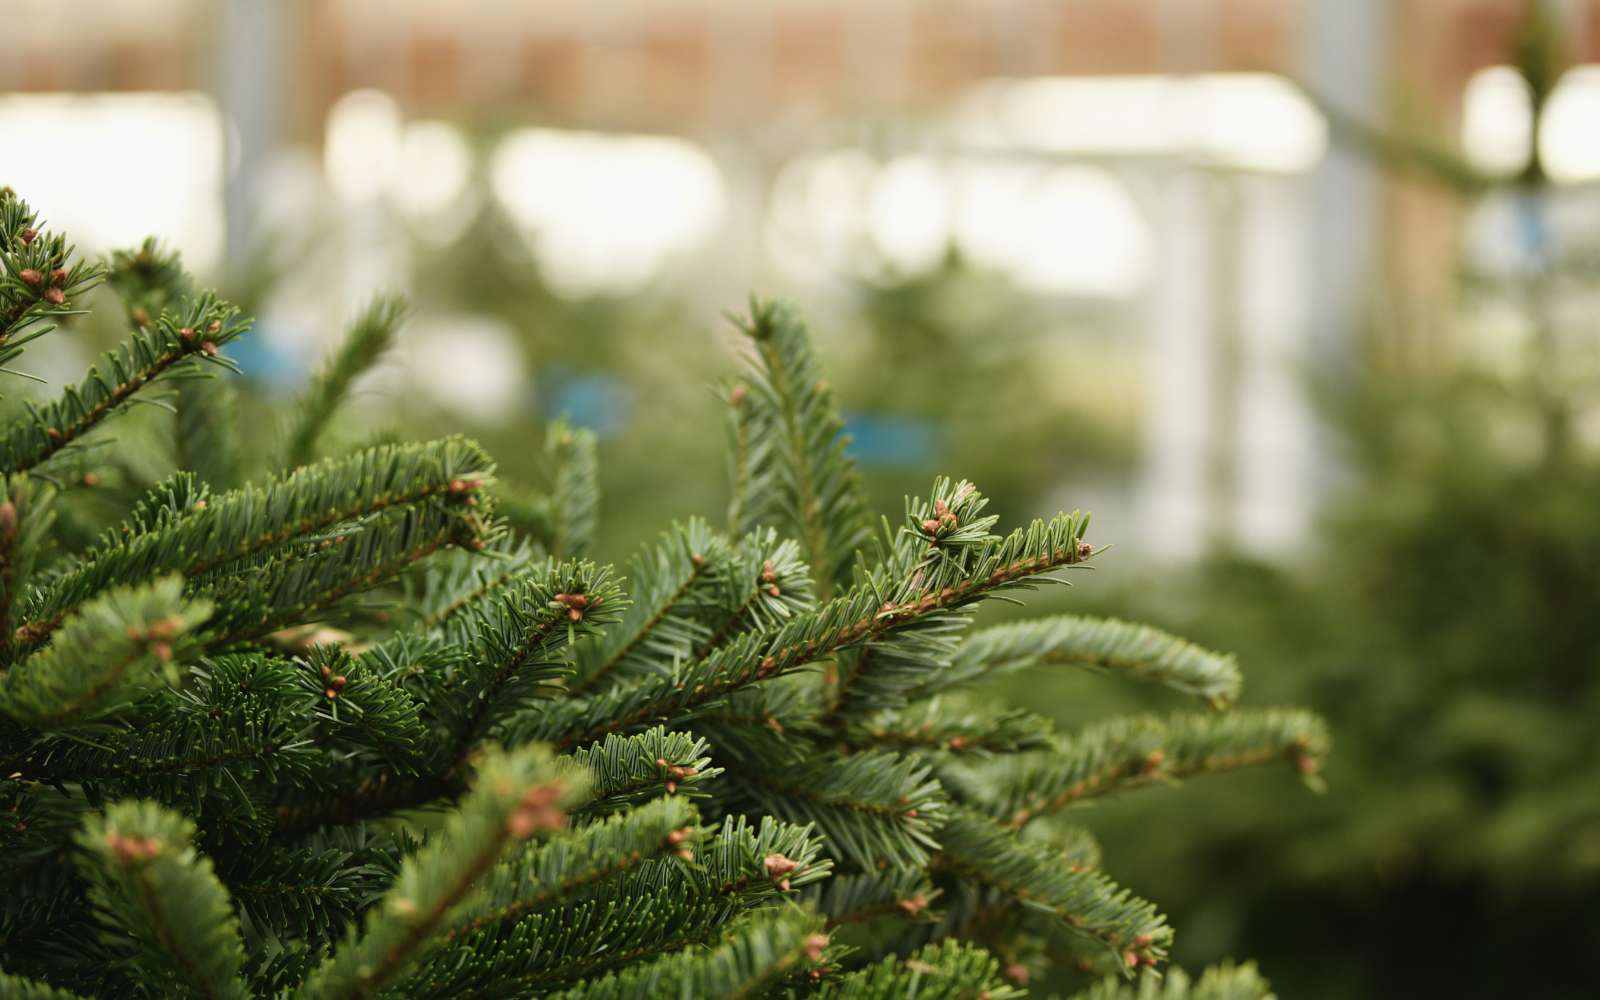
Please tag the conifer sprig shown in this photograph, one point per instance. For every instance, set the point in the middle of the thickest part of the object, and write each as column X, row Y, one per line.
column 164, row 910
column 676, row 581
column 1225, row 982
column 1085, row 902
column 946, row 971
column 21, row 988
column 574, row 505
column 206, row 440
column 254, row 520
column 192, row 329
column 753, row 955
column 874, row 608
column 1137, row 651
column 1128, row 752
column 516, row 796
column 38, row 279
column 792, row 472
column 116, row 648
column 26, row 518
column 368, row 337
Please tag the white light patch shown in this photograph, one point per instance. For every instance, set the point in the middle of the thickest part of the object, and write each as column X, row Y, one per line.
column 111, row 169
column 819, row 204
column 361, row 144
column 467, row 364
column 434, row 167
column 1250, row 121
column 605, row 213
column 1054, row 229
column 1255, row 121
column 1497, row 120
column 1569, row 138
column 910, row 213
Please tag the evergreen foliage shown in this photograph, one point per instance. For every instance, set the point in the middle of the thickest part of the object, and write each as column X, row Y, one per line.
column 349, row 732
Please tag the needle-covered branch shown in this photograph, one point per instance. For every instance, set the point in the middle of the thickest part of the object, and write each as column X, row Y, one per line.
column 38, row 280
column 753, row 955
column 1224, row 982
column 574, row 507
column 1035, row 876
column 216, row 532
column 673, row 583
column 21, row 988
column 626, row 770
column 947, row 971
column 1105, row 644
column 368, row 337
column 876, row 809
column 165, row 913
column 791, row 470
column 1129, row 752
column 191, row 331
column 657, row 909
column 931, row 585
column 26, row 517
column 546, row 874
column 206, row 437
column 516, row 796
column 952, row 726
column 456, row 583
column 115, row 649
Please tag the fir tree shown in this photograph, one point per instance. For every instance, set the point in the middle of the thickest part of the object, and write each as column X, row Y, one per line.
column 347, row 731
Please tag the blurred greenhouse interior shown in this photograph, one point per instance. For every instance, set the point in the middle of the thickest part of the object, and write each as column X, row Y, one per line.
column 1299, row 297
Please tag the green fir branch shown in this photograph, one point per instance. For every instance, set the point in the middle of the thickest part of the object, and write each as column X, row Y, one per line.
column 754, row 954
column 794, row 474
column 874, row 808
column 1126, row 753
column 574, row 503
column 255, row 520
column 516, row 645
column 627, row 770
column 1224, row 982
column 1105, row 644
column 514, row 797
column 952, row 726
column 368, row 337
column 935, row 584
column 148, row 279
column 768, row 583
column 674, row 582
column 37, row 284
column 950, row 970
column 940, row 531
column 163, row 907
column 303, row 584
column 364, row 715
column 113, row 650
column 548, row 873
column 306, row 894
column 21, row 988
column 903, row 894
column 462, row 580
column 192, row 330
column 657, row 909
column 206, row 436
column 26, row 517
column 1035, row 876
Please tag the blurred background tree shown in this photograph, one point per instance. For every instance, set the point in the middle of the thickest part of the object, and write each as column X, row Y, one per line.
column 1448, row 613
